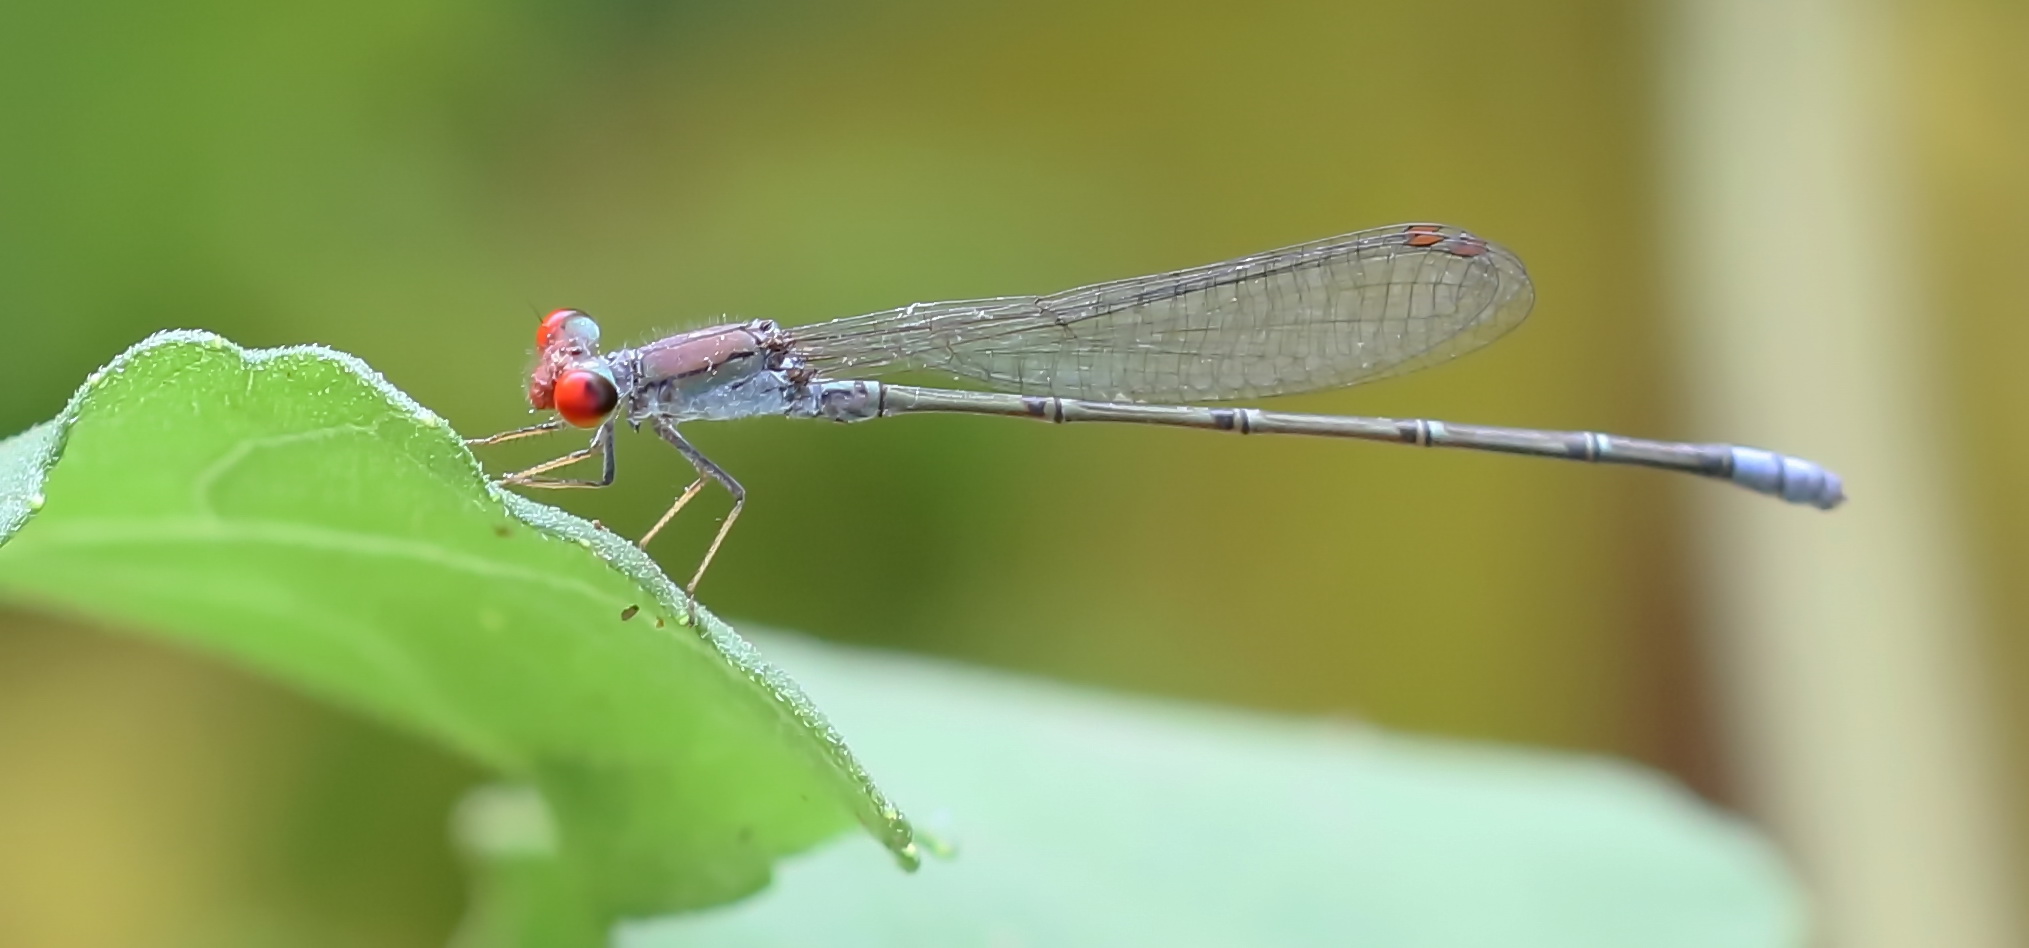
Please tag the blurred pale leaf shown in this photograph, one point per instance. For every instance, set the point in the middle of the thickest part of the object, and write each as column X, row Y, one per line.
column 293, row 513
column 1084, row 819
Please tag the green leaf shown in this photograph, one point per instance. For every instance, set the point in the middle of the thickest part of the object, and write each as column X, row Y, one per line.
column 291, row 512
column 1087, row 820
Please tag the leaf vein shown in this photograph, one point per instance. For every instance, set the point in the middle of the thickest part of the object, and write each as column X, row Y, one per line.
column 218, row 530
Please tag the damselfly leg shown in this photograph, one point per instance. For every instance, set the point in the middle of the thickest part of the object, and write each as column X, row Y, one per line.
column 554, row 424
column 705, row 469
column 602, row 445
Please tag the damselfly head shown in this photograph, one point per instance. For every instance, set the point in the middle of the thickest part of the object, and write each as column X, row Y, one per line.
column 569, row 377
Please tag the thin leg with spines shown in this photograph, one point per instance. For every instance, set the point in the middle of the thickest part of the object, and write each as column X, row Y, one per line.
column 517, row 434
column 706, row 469
column 602, row 445
column 670, row 514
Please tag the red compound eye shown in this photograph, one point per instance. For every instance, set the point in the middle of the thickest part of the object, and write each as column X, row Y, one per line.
column 585, row 398
column 565, row 323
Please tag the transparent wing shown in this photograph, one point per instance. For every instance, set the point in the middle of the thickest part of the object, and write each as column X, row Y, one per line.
column 1320, row 315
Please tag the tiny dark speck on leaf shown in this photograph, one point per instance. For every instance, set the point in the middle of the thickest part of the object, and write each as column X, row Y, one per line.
column 628, row 613
column 658, row 622
column 502, row 531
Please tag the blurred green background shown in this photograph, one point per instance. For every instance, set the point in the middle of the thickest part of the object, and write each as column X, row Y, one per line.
column 416, row 182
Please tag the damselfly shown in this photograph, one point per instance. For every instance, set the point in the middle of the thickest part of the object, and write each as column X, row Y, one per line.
column 1326, row 314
